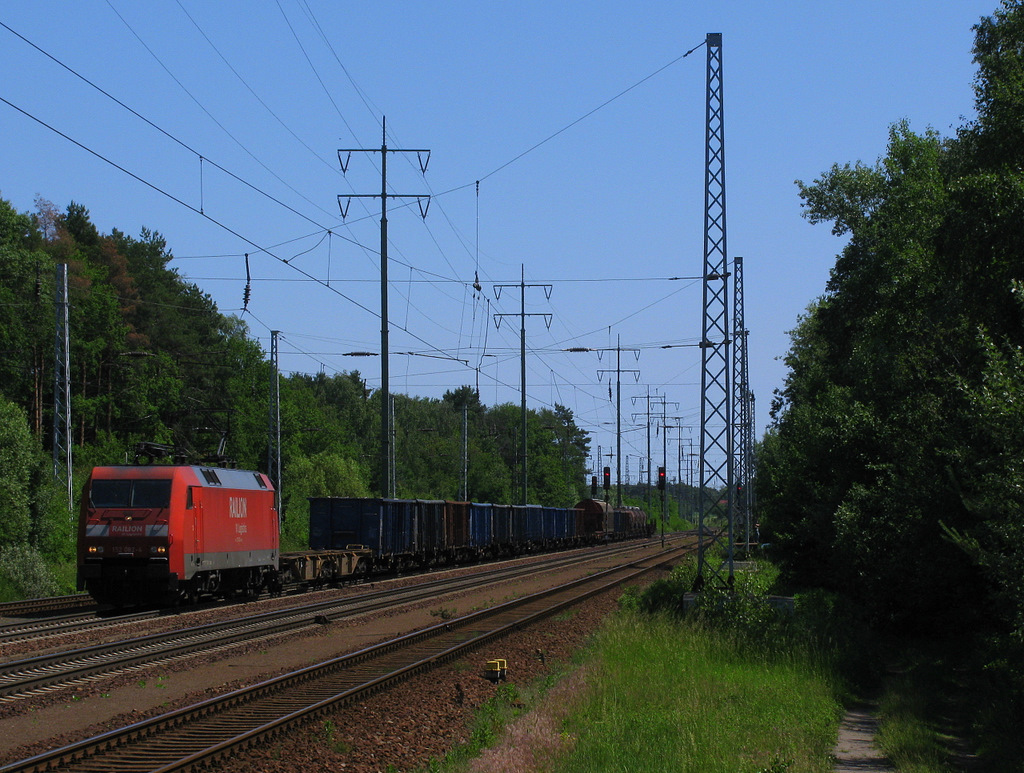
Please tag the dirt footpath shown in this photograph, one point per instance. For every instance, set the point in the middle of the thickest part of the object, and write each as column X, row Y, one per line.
column 855, row 750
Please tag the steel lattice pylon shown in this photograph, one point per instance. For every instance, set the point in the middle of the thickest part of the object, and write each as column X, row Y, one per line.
column 274, row 423
column 741, row 409
column 716, row 397
column 62, row 464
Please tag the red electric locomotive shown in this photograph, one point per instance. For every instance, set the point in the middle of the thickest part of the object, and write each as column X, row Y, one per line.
column 161, row 533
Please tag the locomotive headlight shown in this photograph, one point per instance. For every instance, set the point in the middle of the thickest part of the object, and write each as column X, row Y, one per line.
column 93, row 549
column 159, row 550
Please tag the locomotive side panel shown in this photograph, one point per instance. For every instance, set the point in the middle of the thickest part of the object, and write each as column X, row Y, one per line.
column 235, row 524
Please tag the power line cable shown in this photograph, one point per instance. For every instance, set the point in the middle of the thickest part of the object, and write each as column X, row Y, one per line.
column 211, row 116
column 583, row 117
column 252, row 91
column 213, row 220
column 173, row 138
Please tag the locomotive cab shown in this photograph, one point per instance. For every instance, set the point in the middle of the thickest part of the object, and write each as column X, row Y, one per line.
column 124, row 544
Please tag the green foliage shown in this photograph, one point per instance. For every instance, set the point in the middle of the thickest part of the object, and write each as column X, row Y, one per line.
column 18, row 456
column 909, row 732
column 854, row 479
column 24, row 573
column 494, row 714
column 323, row 474
column 892, row 472
column 154, row 360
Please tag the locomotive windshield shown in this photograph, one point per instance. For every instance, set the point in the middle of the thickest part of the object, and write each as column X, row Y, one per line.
column 130, row 493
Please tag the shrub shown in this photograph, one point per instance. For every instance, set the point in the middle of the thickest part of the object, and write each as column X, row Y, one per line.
column 24, row 573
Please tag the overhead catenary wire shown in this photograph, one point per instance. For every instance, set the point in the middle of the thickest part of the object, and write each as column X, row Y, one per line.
column 200, row 156
column 211, row 116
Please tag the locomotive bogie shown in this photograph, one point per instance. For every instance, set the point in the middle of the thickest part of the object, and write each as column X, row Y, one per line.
column 314, row 568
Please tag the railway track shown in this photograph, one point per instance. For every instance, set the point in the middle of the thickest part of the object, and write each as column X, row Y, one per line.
column 47, row 604
column 204, row 733
column 40, row 625
column 46, row 626
column 53, row 627
column 29, row 677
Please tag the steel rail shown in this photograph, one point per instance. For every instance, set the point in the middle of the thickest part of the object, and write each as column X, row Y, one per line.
column 65, row 625
column 46, row 604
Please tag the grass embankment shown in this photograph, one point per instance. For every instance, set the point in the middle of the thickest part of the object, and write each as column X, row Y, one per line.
column 731, row 686
column 909, row 732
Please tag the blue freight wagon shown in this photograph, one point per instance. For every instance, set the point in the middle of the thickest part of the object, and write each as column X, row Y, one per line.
column 335, row 523
column 559, row 526
column 481, row 527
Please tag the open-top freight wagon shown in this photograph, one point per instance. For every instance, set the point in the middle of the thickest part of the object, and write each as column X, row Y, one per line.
column 408, row 533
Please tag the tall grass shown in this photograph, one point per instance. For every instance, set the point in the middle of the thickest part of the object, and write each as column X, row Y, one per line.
column 905, row 734
column 671, row 696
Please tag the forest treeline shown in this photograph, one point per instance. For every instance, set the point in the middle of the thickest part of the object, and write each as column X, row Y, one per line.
column 893, row 470
column 152, row 359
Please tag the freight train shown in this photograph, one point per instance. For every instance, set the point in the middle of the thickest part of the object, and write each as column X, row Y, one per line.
column 175, row 532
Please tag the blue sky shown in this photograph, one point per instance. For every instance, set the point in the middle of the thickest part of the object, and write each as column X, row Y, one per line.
column 605, row 212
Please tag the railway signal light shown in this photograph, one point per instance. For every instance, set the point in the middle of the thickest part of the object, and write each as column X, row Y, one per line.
column 593, row 487
column 661, row 479
column 607, row 478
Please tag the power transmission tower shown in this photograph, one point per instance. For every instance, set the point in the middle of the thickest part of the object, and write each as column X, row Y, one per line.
column 274, row 423
column 386, row 480
column 62, row 467
column 716, row 397
column 522, row 360
column 751, row 491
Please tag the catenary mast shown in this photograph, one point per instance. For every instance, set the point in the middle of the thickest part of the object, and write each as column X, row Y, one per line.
column 716, row 397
